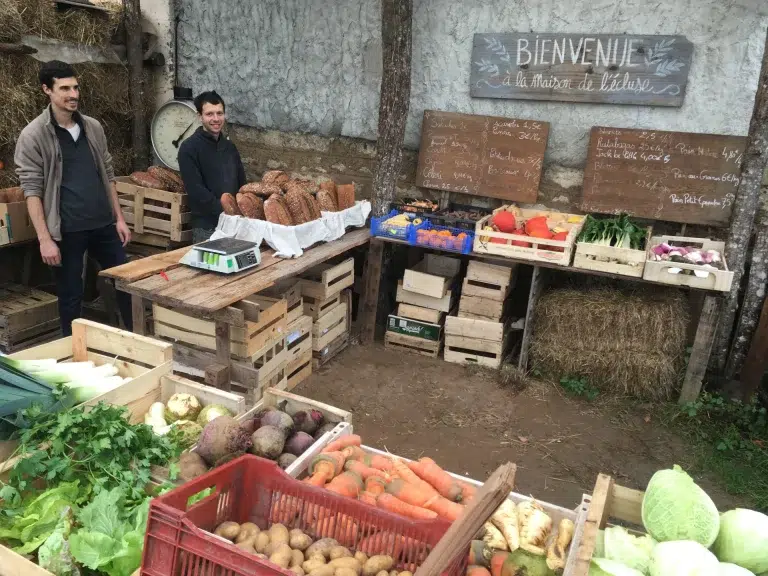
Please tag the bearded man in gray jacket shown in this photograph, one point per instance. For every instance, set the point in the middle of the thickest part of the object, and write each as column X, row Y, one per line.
column 66, row 173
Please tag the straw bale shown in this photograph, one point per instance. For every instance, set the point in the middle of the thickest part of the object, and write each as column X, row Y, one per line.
column 626, row 341
column 11, row 25
column 41, row 18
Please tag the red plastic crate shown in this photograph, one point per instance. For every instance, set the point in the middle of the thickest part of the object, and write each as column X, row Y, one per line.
column 180, row 540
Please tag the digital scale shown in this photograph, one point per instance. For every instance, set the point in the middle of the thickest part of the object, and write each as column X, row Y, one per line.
column 225, row 255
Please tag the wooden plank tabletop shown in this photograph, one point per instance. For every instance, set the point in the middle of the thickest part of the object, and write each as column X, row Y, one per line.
column 204, row 292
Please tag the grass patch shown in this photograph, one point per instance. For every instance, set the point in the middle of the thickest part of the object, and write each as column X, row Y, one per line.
column 730, row 441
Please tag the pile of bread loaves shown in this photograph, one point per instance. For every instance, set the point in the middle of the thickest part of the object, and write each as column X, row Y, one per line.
column 159, row 178
column 282, row 200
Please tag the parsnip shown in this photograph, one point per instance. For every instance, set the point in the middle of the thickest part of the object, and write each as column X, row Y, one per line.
column 493, row 537
column 557, row 548
column 505, row 519
column 535, row 526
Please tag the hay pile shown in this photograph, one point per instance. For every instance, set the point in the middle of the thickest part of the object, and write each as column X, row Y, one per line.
column 104, row 88
column 623, row 341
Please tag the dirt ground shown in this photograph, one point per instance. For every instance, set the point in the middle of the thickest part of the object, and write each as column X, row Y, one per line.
column 465, row 420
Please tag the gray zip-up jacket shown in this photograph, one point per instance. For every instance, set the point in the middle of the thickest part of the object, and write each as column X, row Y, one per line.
column 38, row 163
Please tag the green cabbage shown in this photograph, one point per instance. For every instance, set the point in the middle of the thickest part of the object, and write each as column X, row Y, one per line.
column 727, row 569
column 683, row 558
column 743, row 539
column 620, row 545
column 605, row 567
column 675, row 508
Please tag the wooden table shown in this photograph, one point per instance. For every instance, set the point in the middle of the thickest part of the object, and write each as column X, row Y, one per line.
column 161, row 279
column 702, row 344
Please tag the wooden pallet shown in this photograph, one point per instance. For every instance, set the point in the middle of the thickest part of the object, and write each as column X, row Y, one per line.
column 433, row 276
column 156, row 217
column 325, row 280
column 329, row 327
column 472, row 341
column 488, row 281
column 412, row 344
column 299, row 370
column 317, row 308
column 265, row 321
column 27, row 316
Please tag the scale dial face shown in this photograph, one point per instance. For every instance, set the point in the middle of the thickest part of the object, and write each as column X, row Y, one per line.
column 173, row 123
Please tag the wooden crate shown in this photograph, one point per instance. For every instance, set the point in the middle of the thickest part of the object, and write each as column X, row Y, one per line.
column 299, row 369
column 15, row 224
column 433, row 276
column 541, row 250
column 317, row 308
column 27, row 317
column 292, row 403
column 624, row 261
column 655, row 271
column 609, row 503
column 412, row 344
column 156, row 217
column 299, row 339
column 480, row 308
column 443, row 304
column 333, row 349
column 265, row 321
column 322, row 282
column 488, row 281
column 473, row 341
column 290, row 291
column 419, row 313
column 329, row 327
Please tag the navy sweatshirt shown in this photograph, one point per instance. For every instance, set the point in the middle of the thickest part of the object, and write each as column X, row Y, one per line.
column 209, row 168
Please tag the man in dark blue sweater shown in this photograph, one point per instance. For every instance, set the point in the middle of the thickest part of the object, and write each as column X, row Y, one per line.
column 210, row 166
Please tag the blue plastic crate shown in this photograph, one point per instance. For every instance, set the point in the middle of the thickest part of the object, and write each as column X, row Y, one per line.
column 406, row 233
column 423, row 236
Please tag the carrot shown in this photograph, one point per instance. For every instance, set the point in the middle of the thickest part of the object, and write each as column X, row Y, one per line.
column 477, row 571
column 343, row 442
column 364, row 471
column 467, row 491
column 479, row 553
column 428, row 470
column 324, row 467
column 394, row 504
column 497, row 562
column 367, row 497
column 346, row 530
column 381, row 543
column 409, row 493
column 347, row 484
column 353, row 453
column 375, row 485
column 377, row 461
column 444, row 507
column 399, row 467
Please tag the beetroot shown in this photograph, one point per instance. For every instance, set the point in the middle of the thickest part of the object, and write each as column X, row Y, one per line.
column 323, row 429
column 268, row 442
column 220, row 437
column 298, row 443
column 286, row 460
column 279, row 420
column 308, row 420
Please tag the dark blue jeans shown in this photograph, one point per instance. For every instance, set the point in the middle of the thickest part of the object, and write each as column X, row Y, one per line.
column 104, row 246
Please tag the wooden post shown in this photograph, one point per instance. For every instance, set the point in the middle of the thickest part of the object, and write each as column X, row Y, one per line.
column 702, row 346
column 139, row 315
column 223, row 352
column 757, row 358
column 139, row 140
column 370, row 300
column 533, row 298
column 395, row 99
column 744, row 209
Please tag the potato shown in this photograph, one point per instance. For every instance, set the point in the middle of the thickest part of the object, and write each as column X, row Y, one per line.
column 297, row 558
column 298, row 540
column 269, row 548
column 282, row 555
column 312, row 564
column 278, row 534
column 383, row 573
column 346, row 562
column 405, row 573
column 323, row 546
column 324, row 570
column 340, row 552
column 315, row 556
column 246, row 546
column 248, row 531
column 298, row 570
column 376, row 564
column 345, row 572
column 262, row 556
column 393, row 573
column 261, row 542
column 362, row 557
column 228, row 530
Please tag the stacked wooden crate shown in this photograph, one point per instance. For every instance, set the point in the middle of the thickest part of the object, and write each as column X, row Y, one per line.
column 328, row 302
column 425, row 296
column 258, row 344
column 478, row 335
column 27, row 317
column 156, row 217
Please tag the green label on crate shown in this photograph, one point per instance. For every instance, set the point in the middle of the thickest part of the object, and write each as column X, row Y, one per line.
column 414, row 328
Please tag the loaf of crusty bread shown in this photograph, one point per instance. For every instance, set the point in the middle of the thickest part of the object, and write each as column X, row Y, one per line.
column 329, row 186
column 345, row 196
column 229, row 204
column 314, row 207
column 146, row 180
column 168, row 178
column 250, row 205
column 261, row 189
column 276, row 210
column 277, row 177
column 296, row 206
column 327, row 201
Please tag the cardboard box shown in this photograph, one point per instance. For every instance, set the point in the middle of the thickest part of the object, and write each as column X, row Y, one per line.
column 409, row 327
column 15, row 225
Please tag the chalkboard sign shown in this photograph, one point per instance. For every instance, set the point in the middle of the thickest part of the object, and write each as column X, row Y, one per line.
column 482, row 155
column 601, row 68
column 675, row 176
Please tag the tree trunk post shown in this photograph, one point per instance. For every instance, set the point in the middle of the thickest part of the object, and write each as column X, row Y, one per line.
column 744, row 209
column 395, row 99
column 139, row 141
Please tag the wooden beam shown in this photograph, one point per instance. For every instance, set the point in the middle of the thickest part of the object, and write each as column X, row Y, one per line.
column 396, row 16
column 370, row 300
column 702, row 346
column 744, row 210
column 223, row 352
column 537, row 283
column 757, row 358
column 139, row 314
column 139, row 139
